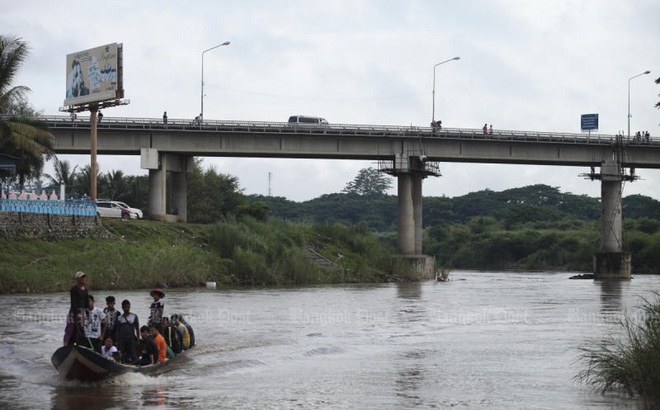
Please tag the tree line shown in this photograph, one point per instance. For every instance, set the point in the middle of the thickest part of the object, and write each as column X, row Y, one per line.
column 533, row 228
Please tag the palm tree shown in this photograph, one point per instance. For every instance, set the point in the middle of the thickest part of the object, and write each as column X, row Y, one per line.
column 63, row 173
column 114, row 185
column 83, row 181
column 20, row 136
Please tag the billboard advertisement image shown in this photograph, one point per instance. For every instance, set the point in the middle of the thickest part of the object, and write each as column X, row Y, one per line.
column 94, row 75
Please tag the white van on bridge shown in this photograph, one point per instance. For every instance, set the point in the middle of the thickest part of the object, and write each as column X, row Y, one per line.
column 302, row 119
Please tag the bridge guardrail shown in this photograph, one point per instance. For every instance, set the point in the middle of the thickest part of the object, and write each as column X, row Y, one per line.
column 239, row 126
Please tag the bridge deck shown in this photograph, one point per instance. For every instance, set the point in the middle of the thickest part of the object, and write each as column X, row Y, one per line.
column 128, row 136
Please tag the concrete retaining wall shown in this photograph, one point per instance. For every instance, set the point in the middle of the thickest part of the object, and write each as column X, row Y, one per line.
column 49, row 227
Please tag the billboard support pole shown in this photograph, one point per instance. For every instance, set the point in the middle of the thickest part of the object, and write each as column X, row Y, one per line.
column 93, row 109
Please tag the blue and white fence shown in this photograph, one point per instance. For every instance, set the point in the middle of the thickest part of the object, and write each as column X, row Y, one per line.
column 44, row 204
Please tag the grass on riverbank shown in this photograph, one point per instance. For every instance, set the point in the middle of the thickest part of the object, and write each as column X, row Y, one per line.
column 145, row 254
column 629, row 362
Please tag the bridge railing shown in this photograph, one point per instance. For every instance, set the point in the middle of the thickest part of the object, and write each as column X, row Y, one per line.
column 238, row 126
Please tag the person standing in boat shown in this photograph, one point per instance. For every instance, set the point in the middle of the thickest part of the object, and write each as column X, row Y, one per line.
column 95, row 325
column 111, row 315
column 128, row 333
column 156, row 308
column 77, row 309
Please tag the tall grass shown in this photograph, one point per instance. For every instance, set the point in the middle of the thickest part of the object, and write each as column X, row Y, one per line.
column 237, row 251
column 628, row 362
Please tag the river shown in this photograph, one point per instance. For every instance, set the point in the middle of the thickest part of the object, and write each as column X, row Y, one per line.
column 480, row 341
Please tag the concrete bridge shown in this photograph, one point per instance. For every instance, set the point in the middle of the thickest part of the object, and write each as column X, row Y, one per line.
column 409, row 153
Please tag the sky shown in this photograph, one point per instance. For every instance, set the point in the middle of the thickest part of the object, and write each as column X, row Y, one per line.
column 524, row 65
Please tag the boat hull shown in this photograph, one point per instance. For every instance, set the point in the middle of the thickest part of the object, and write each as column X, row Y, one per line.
column 76, row 362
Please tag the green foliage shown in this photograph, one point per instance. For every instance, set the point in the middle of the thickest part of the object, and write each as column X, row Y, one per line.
column 639, row 206
column 278, row 253
column 256, row 210
column 211, row 195
column 629, row 362
column 369, row 182
column 534, row 227
column 142, row 254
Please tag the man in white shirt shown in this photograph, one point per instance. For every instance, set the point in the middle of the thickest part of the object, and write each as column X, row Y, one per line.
column 95, row 324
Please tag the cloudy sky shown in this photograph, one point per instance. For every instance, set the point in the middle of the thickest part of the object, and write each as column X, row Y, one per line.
column 525, row 65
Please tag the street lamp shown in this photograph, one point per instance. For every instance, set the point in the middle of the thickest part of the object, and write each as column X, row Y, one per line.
column 201, row 113
column 635, row 76
column 446, row 61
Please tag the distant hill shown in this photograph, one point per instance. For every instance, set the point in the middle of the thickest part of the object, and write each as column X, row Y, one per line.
column 512, row 206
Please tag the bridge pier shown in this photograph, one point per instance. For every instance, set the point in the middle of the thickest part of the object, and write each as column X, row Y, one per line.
column 160, row 166
column 611, row 262
column 410, row 168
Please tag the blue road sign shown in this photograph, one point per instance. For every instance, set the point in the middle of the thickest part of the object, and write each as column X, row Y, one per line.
column 589, row 122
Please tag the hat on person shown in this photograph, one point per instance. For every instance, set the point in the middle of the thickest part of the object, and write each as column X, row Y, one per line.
column 80, row 274
column 158, row 292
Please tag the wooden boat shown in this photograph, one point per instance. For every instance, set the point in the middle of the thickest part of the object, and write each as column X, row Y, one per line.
column 77, row 362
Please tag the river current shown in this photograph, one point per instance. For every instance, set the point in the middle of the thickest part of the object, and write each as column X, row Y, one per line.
column 480, row 341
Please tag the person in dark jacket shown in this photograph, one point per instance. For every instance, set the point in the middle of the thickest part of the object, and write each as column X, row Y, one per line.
column 149, row 349
column 127, row 333
column 79, row 304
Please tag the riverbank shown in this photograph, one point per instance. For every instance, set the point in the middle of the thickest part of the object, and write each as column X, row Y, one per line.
column 145, row 254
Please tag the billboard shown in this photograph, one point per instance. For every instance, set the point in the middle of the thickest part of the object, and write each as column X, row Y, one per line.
column 94, row 75
column 589, row 122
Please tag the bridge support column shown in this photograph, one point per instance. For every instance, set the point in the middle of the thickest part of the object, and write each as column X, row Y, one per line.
column 161, row 165
column 410, row 170
column 416, row 186
column 611, row 262
column 157, row 192
column 180, row 196
column 406, row 220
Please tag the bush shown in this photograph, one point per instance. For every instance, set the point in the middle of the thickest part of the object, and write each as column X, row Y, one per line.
column 630, row 362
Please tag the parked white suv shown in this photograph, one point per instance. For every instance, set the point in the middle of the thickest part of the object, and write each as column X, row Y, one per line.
column 111, row 209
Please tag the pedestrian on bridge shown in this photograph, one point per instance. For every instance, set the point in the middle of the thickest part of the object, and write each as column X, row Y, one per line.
column 485, row 129
column 490, row 130
column 165, row 118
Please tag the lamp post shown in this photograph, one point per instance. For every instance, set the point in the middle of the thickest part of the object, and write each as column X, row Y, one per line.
column 635, row 76
column 446, row 61
column 201, row 113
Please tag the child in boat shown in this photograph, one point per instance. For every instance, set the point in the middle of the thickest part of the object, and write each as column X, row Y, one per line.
column 108, row 350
